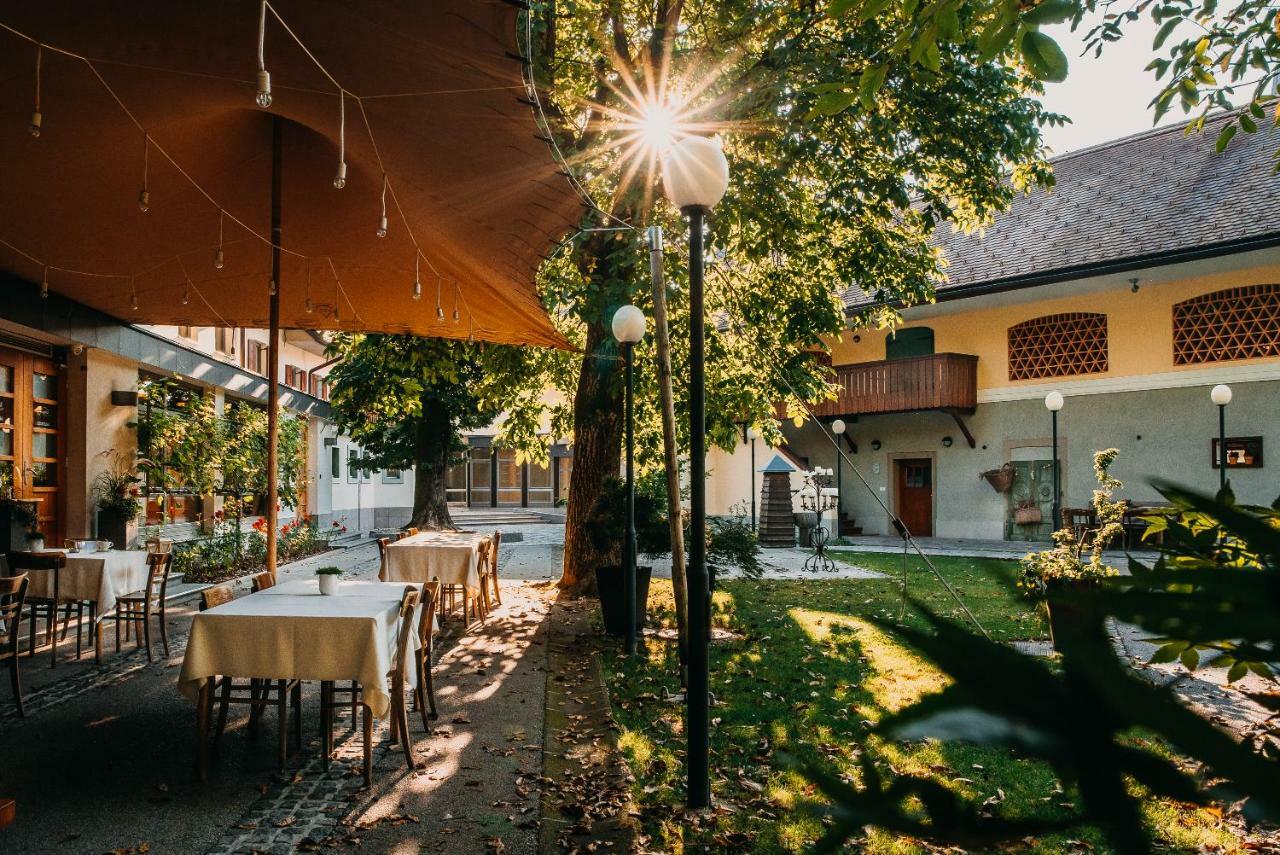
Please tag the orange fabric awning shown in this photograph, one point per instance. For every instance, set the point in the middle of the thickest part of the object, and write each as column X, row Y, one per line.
column 433, row 101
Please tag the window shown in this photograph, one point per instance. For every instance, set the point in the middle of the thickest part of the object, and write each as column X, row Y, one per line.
column 320, row 387
column 455, row 482
column 224, row 340
column 255, row 357
column 1058, row 346
column 392, row 476
column 1235, row 323
column 295, row 377
column 904, row 344
column 335, row 463
column 353, row 465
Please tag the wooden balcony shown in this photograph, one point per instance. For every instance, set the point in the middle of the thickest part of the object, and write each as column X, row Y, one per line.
column 941, row 381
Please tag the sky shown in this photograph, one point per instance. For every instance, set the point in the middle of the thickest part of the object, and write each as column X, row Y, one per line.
column 1106, row 97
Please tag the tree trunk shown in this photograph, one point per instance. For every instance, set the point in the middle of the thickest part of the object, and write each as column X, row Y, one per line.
column 431, row 463
column 597, row 443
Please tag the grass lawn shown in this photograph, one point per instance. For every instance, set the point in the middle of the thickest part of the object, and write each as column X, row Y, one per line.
column 808, row 674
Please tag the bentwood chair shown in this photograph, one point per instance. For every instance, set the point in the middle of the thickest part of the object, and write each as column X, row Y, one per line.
column 138, row 608
column 13, row 594
column 495, row 545
column 383, row 543
column 262, row 581
column 424, row 694
column 51, row 564
column 257, row 693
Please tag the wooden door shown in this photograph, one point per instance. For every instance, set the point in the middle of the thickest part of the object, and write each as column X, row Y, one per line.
column 31, row 435
column 915, row 496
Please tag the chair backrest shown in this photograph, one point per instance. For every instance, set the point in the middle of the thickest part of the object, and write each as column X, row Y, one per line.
column 410, row 531
column 482, row 557
column 383, row 543
column 408, row 603
column 495, row 544
column 37, row 561
column 426, row 618
column 212, row 597
column 158, row 566
column 157, row 544
column 13, row 593
column 262, row 581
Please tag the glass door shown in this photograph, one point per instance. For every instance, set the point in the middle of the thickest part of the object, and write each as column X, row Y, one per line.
column 481, row 480
column 510, row 479
column 31, row 392
column 540, row 485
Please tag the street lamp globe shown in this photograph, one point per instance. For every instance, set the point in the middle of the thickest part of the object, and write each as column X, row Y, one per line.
column 695, row 173
column 1221, row 394
column 837, row 427
column 752, row 433
column 628, row 324
column 1053, row 401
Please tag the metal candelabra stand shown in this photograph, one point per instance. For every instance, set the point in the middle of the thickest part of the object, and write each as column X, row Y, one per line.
column 812, row 499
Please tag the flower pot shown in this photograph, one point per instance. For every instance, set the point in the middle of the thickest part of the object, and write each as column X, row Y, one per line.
column 113, row 526
column 1028, row 516
column 1000, row 479
column 35, row 544
column 13, row 526
column 609, row 587
column 329, row 584
column 1066, row 618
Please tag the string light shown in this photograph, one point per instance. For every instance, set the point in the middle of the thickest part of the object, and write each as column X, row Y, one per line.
column 417, row 283
column 264, row 76
column 133, row 294
column 44, row 284
column 218, row 259
column 307, row 304
column 36, row 118
column 144, row 196
column 456, row 315
column 340, row 180
column 186, row 293
column 439, row 308
column 382, row 223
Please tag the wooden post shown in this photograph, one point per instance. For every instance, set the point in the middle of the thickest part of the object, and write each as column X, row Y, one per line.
column 273, row 350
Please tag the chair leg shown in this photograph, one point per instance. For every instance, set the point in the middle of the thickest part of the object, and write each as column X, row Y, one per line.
column 354, row 696
column 497, row 593
column 164, row 631
column 117, row 618
column 146, row 631
column 51, row 633
column 31, row 640
column 282, row 707
column 399, row 711
column 296, row 701
column 368, row 746
column 223, row 705
column 431, row 689
column 15, row 679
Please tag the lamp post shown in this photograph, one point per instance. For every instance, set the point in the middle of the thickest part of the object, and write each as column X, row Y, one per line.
column 1053, row 402
column 837, row 430
column 1221, row 395
column 628, row 328
column 695, row 175
column 752, row 436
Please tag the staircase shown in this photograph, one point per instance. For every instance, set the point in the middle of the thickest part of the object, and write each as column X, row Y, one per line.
column 499, row 517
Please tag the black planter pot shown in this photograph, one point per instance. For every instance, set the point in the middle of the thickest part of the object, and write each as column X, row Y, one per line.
column 613, row 598
column 113, row 526
column 13, row 530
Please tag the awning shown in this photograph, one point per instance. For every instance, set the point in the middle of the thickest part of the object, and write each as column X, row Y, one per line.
column 433, row 103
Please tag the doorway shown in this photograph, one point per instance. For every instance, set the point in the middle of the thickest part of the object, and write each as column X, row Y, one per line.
column 915, row 495
column 31, row 419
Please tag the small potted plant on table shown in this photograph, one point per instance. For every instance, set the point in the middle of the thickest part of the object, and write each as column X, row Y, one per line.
column 329, row 578
column 1058, row 577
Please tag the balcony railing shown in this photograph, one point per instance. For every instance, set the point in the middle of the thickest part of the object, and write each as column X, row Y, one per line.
column 941, row 381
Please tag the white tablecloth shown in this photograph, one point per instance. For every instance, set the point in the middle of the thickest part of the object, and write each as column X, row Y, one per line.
column 449, row 556
column 98, row 576
column 291, row 631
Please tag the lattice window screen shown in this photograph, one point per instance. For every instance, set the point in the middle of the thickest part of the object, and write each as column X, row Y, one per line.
column 1235, row 323
column 1058, row 346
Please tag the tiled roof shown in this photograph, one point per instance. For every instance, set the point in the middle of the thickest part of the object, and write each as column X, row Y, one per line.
column 1118, row 203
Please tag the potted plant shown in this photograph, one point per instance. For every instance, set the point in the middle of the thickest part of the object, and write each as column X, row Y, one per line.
column 1059, row 577
column 329, row 578
column 117, row 495
column 34, row 539
column 17, row 516
column 653, row 537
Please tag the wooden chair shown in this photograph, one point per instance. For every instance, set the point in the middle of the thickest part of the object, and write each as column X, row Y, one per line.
column 410, row 532
column 495, row 545
column 258, row 693
column 13, row 595
column 42, row 562
column 262, row 581
column 140, row 606
column 424, row 694
column 481, row 599
column 383, row 543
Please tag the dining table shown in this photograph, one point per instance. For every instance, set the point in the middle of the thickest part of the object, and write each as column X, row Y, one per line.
column 448, row 556
column 99, row 578
column 291, row 631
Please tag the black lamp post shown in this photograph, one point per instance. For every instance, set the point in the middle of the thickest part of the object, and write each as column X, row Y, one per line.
column 695, row 175
column 628, row 328
column 752, row 434
column 1221, row 395
column 1053, row 402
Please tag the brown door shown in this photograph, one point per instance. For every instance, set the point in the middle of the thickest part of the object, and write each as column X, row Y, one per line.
column 915, row 496
column 31, row 393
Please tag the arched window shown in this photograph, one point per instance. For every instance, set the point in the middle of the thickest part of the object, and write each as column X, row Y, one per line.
column 1058, row 346
column 913, row 341
column 1235, row 323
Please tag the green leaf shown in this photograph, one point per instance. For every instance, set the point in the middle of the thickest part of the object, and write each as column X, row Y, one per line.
column 1225, row 137
column 832, row 103
column 1249, row 125
column 1168, row 28
column 1043, row 57
column 1049, row 12
column 1256, row 109
column 870, row 9
column 1190, row 658
column 836, row 8
column 1237, row 671
column 1168, row 652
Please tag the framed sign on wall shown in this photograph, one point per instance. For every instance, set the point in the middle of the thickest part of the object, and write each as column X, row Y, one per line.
column 1243, row 452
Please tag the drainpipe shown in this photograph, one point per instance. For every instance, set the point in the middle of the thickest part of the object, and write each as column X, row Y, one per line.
column 311, row 374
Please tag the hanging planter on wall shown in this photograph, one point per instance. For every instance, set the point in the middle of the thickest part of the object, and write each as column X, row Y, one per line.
column 1000, row 479
column 1028, row 513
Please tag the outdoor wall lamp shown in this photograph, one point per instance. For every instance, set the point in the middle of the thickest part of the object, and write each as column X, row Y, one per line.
column 628, row 328
column 946, row 441
column 875, row 445
column 1053, row 403
column 695, row 175
column 1221, row 395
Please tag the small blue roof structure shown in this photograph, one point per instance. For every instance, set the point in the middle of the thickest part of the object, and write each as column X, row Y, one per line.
column 777, row 464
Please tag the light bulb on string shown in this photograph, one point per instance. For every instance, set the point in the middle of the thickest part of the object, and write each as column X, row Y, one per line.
column 439, row 308
column 144, row 196
column 44, row 284
column 186, row 293
column 382, row 221
column 218, row 259
column 417, row 282
column 456, row 315
column 133, row 294
column 264, row 77
column 340, row 179
column 36, row 118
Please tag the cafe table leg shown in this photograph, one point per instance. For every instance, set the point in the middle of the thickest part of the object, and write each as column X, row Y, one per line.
column 202, row 730
column 368, row 746
column 326, row 720
column 97, row 636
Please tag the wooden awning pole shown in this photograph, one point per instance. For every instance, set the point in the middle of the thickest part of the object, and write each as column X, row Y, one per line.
column 273, row 351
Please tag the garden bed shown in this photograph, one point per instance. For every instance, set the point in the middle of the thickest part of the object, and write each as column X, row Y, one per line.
column 808, row 676
column 224, row 555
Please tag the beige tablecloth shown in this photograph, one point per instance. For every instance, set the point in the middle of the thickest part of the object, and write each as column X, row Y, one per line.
column 291, row 631
column 449, row 556
column 98, row 576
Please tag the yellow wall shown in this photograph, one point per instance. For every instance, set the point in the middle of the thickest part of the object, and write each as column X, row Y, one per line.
column 1139, row 326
